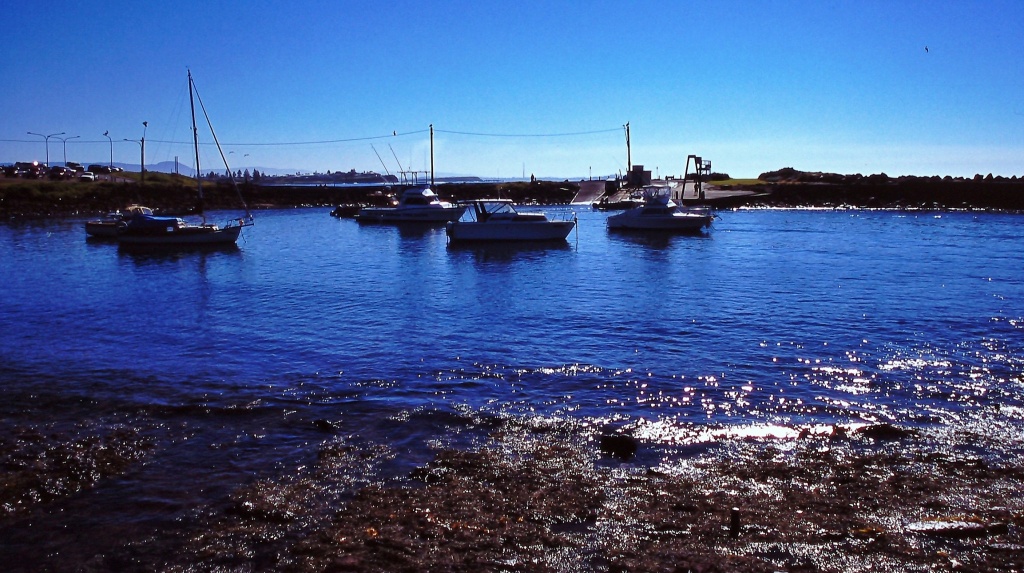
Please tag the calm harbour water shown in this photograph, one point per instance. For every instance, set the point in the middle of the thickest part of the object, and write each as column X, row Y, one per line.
column 234, row 362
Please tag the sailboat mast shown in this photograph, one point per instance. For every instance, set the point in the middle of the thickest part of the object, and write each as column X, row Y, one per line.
column 227, row 168
column 431, row 156
column 381, row 160
column 195, row 141
column 393, row 154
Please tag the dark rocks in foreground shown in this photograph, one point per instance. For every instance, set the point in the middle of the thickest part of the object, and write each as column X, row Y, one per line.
column 532, row 498
column 542, row 502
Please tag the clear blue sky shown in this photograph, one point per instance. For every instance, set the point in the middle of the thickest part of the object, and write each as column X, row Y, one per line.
column 754, row 86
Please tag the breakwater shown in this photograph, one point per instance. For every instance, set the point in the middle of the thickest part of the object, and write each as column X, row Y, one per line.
column 47, row 199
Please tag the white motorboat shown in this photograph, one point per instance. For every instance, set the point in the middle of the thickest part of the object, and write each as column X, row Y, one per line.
column 660, row 213
column 107, row 227
column 498, row 220
column 416, row 205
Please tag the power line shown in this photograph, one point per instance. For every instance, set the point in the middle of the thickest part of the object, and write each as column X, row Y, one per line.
column 353, row 139
column 280, row 143
column 528, row 134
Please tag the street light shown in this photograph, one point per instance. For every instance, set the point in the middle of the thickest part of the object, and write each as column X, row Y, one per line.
column 46, row 141
column 142, row 147
column 111, row 141
column 145, row 125
column 64, row 140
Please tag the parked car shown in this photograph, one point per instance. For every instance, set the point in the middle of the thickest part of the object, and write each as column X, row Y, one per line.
column 87, row 176
column 59, row 172
column 30, row 170
column 94, row 168
column 76, row 167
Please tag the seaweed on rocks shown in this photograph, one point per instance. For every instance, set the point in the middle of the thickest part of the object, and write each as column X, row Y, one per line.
column 542, row 499
column 42, row 464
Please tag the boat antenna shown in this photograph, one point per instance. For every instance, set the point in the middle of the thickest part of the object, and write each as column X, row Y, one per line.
column 248, row 215
column 381, row 160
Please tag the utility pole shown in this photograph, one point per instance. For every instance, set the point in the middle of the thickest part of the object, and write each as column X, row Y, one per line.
column 145, row 125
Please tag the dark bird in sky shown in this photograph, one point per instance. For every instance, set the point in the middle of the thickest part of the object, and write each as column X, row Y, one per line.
column 926, row 49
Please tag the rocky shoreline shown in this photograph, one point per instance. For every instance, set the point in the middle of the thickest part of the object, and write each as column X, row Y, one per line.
column 912, row 193
column 546, row 496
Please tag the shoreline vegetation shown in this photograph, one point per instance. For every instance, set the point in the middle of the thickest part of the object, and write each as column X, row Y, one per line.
column 786, row 188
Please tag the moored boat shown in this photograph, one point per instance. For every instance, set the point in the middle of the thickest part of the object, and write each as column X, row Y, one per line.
column 346, row 211
column 144, row 229
column 418, row 204
column 498, row 220
column 107, row 227
column 660, row 213
column 149, row 230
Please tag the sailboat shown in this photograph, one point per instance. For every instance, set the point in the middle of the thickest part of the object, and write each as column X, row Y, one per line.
column 148, row 229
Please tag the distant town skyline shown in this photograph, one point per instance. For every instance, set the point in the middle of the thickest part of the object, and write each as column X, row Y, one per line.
column 514, row 89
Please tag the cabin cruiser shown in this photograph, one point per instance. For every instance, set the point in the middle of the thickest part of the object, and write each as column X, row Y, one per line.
column 498, row 220
column 416, row 204
column 660, row 213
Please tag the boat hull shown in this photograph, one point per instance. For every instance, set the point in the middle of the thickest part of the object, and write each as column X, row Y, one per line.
column 677, row 222
column 101, row 229
column 185, row 236
column 509, row 230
